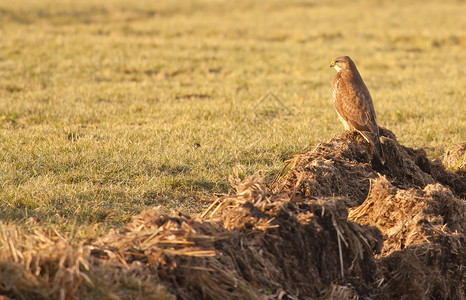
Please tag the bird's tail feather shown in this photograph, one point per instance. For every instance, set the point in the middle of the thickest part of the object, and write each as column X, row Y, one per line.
column 374, row 139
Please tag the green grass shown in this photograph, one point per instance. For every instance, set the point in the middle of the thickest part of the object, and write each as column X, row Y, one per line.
column 103, row 106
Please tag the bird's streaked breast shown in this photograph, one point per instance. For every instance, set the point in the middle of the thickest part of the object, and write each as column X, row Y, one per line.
column 335, row 90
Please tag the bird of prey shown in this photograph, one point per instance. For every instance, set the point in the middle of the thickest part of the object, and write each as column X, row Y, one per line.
column 353, row 103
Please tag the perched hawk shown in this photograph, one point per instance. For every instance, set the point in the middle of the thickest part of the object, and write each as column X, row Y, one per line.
column 353, row 103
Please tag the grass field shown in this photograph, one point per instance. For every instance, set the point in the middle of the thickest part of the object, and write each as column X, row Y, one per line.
column 109, row 108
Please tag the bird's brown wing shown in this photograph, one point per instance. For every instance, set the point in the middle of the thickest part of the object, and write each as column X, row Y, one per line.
column 354, row 104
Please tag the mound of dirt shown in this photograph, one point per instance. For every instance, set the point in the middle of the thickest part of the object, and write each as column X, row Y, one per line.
column 335, row 224
column 297, row 244
column 343, row 167
column 424, row 239
column 253, row 245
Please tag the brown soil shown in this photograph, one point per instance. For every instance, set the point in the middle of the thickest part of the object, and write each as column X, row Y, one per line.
column 335, row 224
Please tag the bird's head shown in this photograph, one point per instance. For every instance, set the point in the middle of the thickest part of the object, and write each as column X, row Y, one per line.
column 341, row 63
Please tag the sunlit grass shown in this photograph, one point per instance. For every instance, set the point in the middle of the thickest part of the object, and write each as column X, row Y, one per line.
column 109, row 108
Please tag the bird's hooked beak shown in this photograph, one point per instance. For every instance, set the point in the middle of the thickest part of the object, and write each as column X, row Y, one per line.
column 335, row 65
